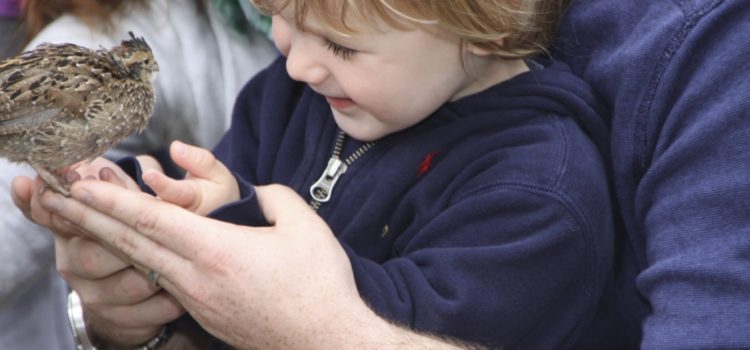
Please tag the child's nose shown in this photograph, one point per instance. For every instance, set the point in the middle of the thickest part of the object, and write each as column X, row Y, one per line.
column 303, row 66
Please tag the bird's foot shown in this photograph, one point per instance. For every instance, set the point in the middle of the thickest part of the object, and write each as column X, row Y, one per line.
column 56, row 182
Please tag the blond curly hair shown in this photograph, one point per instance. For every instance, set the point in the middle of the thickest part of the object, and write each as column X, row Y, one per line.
column 506, row 28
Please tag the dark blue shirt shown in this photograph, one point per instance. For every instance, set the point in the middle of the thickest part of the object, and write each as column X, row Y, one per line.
column 489, row 221
column 676, row 75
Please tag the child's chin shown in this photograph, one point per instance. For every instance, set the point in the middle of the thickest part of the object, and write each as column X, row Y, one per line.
column 363, row 134
column 361, row 128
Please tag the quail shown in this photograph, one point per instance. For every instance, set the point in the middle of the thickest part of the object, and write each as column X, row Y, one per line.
column 61, row 104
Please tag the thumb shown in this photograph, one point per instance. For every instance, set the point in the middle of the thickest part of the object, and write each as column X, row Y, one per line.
column 199, row 162
column 281, row 205
column 21, row 193
column 181, row 193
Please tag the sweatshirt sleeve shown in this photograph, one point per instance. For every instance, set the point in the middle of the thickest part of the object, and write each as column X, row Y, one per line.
column 523, row 262
column 693, row 200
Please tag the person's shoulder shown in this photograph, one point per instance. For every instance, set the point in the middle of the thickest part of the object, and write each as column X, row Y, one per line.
column 634, row 53
column 548, row 125
column 548, row 91
column 626, row 30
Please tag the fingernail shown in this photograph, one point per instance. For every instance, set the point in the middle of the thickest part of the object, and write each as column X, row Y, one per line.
column 72, row 176
column 52, row 202
column 106, row 174
column 83, row 195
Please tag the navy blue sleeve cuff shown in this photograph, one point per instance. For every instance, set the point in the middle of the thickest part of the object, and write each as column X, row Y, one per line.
column 132, row 167
column 245, row 211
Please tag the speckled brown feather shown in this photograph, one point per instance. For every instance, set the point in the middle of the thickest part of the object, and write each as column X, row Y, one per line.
column 62, row 104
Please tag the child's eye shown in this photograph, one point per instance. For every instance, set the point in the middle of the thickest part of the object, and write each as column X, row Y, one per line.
column 341, row 51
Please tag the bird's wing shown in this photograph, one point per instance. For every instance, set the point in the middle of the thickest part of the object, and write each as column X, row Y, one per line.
column 22, row 104
column 48, row 82
column 26, row 100
column 27, row 118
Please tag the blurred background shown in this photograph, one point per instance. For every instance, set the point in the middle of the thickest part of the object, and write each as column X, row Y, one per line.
column 11, row 32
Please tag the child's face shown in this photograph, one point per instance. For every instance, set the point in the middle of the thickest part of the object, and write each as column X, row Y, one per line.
column 376, row 82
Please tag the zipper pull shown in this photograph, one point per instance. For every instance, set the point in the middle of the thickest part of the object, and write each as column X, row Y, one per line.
column 321, row 189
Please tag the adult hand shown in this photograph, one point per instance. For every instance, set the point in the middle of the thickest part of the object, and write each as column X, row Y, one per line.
column 26, row 191
column 119, row 303
column 285, row 286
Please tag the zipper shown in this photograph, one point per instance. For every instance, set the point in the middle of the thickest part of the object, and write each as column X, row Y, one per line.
column 321, row 190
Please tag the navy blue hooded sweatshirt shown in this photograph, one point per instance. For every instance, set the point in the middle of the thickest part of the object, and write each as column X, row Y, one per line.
column 490, row 221
column 676, row 74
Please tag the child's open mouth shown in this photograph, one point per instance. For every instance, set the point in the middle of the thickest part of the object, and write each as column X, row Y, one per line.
column 339, row 102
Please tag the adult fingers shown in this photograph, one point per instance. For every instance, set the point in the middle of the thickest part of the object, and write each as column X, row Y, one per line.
column 82, row 258
column 129, row 299
column 119, row 215
column 128, row 235
column 109, row 175
column 126, row 287
column 58, row 225
column 38, row 213
column 157, row 310
column 22, row 192
column 86, row 170
column 149, row 232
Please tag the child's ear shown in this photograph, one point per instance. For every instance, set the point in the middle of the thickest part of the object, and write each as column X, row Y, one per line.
column 483, row 52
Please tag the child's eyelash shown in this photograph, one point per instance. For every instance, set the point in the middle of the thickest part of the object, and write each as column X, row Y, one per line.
column 338, row 50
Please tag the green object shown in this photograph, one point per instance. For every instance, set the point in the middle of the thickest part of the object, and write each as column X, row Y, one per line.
column 242, row 17
column 257, row 20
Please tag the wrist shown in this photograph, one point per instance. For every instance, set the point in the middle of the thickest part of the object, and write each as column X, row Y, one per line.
column 364, row 329
column 81, row 333
column 188, row 334
column 84, row 337
column 160, row 340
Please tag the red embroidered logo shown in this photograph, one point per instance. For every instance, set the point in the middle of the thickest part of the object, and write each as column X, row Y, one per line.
column 426, row 163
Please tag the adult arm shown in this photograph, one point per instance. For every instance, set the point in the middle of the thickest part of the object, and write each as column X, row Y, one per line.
column 693, row 197
column 285, row 286
column 676, row 76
